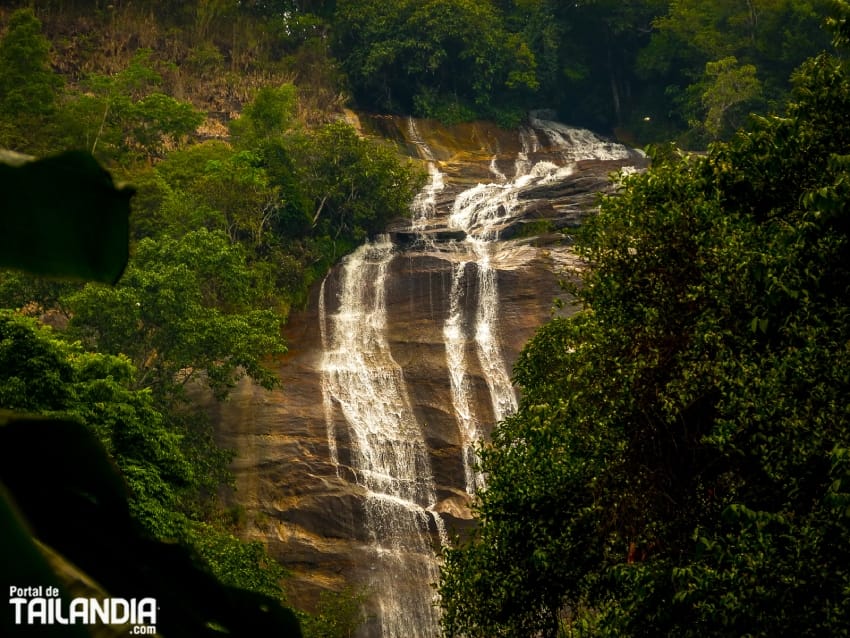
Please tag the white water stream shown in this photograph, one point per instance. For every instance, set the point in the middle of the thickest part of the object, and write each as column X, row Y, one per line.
column 362, row 381
column 389, row 456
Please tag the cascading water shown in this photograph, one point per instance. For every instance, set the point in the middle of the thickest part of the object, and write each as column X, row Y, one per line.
column 477, row 211
column 528, row 144
column 469, row 427
column 424, row 206
column 362, row 382
column 480, row 211
column 389, row 456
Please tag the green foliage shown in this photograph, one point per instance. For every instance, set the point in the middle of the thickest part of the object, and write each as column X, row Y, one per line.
column 244, row 565
column 430, row 55
column 446, row 108
column 337, row 615
column 35, row 373
column 729, row 86
column 239, row 190
column 178, row 324
column 839, row 22
column 296, row 199
column 28, row 86
column 678, row 465
column 43, row 373
column 356, row 186
column 270, row 115
column 181, row 168
column 603, row 64
column 123, row 117
column 590, row 50
column 768, row 37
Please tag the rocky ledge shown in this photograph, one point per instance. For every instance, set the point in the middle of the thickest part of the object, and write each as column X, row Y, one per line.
column 294, row 478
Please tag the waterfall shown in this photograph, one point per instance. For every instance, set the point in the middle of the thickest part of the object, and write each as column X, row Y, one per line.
column 577, row 143
column 364, row 390
column 389, row 456
column 455, row 339
column 487, row 340
column 424, row 206
column 327, row 399
column 425, row 203
column 477, row 211
column 528, row 144
column 495, row 171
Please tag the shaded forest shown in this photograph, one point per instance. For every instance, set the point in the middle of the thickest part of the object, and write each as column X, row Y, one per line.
column 650, row 70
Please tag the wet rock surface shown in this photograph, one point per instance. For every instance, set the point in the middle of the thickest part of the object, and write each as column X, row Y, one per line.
column 297, row 472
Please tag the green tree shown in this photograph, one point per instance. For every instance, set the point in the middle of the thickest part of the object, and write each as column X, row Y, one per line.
column 294, row 199
column 245, row 565
column 773, row 36
column 239, row 189
column 678, row 465
column 355, row 185
column 45, row 374
column 125, row 117
column 271, row 114
column 442, row 58
column 178, row 323
column 28, row 86
column 729, row 86
column 213, row 186
column 35, row 373
column 589, row 50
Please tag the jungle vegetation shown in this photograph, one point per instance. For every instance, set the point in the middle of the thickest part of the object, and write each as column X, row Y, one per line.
column 679, row 466
column 679, row 462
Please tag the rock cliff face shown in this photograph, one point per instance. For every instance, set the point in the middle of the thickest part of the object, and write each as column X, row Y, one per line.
column 363, row 461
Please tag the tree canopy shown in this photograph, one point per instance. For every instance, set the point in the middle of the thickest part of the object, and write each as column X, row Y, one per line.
column 650, row 69
column 441, row 58
column 28, row 86
column 647, row 71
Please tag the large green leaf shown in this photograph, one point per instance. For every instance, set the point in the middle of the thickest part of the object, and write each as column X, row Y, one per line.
column 62, row 216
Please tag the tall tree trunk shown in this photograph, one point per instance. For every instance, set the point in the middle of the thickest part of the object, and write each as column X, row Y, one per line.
column 615, row 92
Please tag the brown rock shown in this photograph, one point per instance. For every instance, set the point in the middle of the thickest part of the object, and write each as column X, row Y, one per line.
column 309, row 510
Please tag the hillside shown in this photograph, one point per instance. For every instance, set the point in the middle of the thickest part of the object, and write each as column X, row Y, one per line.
column 648, row 71
column 230, row 120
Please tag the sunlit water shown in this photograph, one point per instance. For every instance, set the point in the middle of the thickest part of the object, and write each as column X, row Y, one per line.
column 362, row 381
